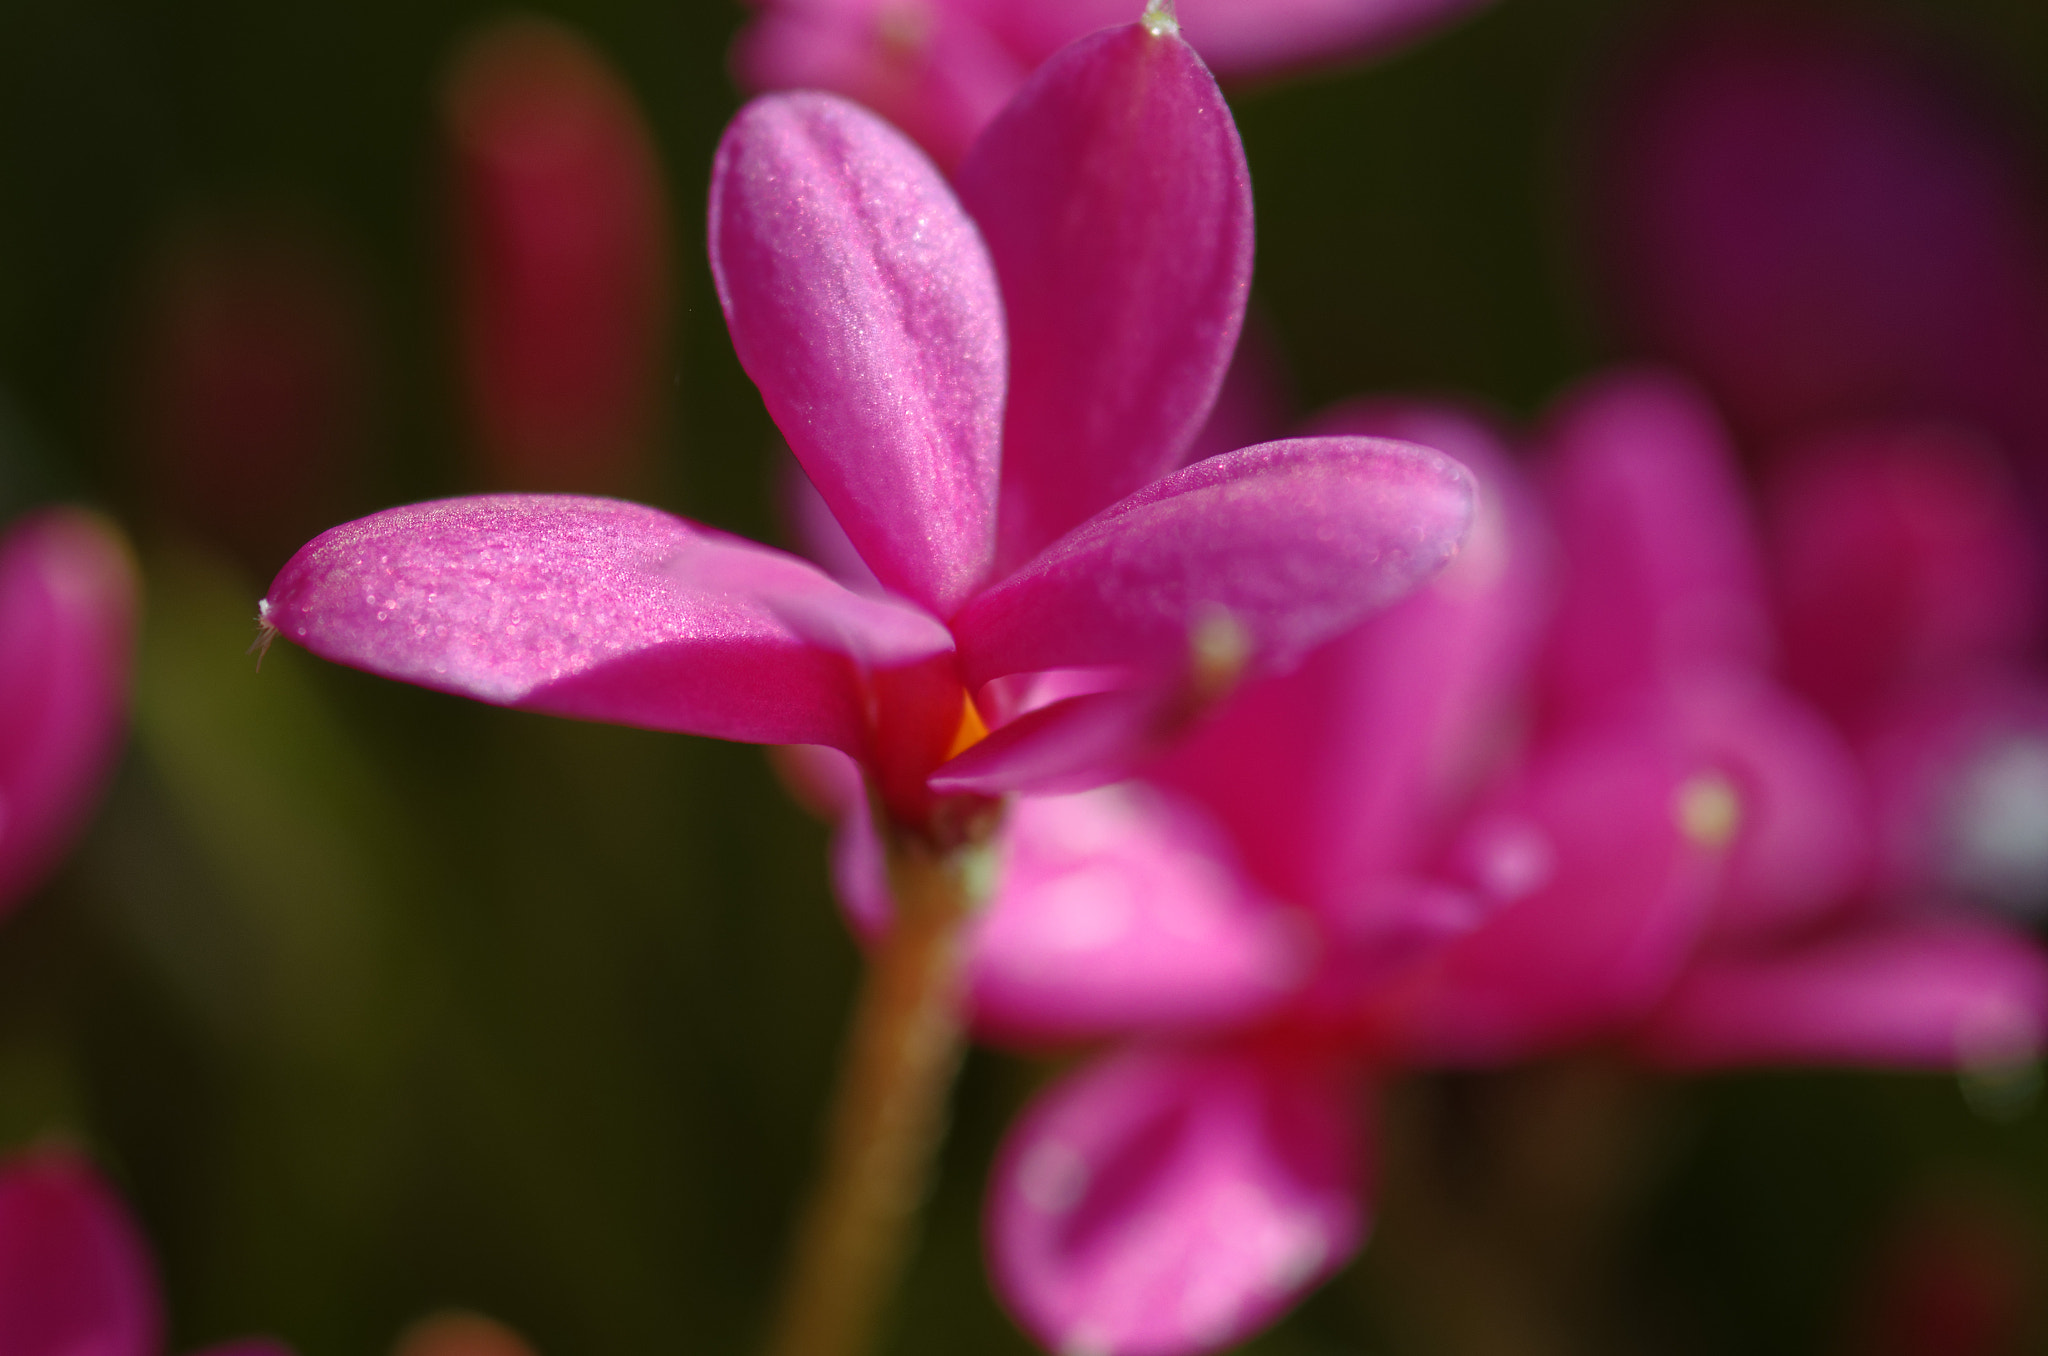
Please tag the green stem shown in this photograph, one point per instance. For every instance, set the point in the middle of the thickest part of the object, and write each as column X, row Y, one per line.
column 888, row 1116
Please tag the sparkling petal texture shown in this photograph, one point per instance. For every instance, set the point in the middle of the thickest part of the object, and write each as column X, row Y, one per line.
column 1115, row 200
column 1805, row 212
column 67, row 624
column 75, row 1279
column 862, row 303
column 1282, row 546
column 600, row 610
column 1347, row 768
column 1928, row 993
column 1598, row 896
column 1662, row 571
column 1163, row 1202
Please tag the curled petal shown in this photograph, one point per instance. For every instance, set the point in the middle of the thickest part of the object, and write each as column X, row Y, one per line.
column 862, row 303
column 1599, row 870
column 1662, row 574
column 1926, row 993
column 75, row 1279
column 1115, row 200
column 1235, row 566
column 1073, row 744
column 599, row 610
column 1163, row 1202
column 1122, row 910
column 67, row 622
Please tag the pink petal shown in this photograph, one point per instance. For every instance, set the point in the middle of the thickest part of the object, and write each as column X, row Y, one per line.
column 1599, row 892
column 809, row 525
column 1071, row 745
column 1926, row 993
column 1123, row 910
column 1349, row 767
column 599, row 610
column 1821, row 222
column 1256, row 401
column 1114, row 912
column 862, row 303
column 561, row 242
column 1803, row 841
column 931, row 67
column 1163, row 1202
column 75, row 1278
column 1661, row 569
column 1901, row 557
column 1115, row 200
column 67, row 624
column 1261, row 554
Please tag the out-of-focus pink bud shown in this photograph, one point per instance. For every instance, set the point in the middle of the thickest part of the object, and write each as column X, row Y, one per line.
column 561, row 244
column 75, row 1279
column 1901, row 558
column 67, row 622
column 252, row 382
column 1817, row 221
column 457, row 1332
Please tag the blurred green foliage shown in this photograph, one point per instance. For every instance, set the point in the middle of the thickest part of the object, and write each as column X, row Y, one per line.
column 373, row 1000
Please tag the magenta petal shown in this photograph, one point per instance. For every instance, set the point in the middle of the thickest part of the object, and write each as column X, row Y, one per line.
column 75, row 1278
column 67, row 623
column 862, row 303
column 1263, row 554
column 1115, row 200
column 599, row 610
column 1163, row 1202
column 1070, row 745
column 1599, row 893
column 1123, row 910
column 1803, row 841
column 1348, row 768
column 1921, row 993
column 1662, row 573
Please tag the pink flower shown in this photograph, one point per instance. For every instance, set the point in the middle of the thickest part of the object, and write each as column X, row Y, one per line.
column 75, row 1275
column 983, row 388
column 1817, row 221
column 1221, row 918
column 561, row 248
column 1674, row 855
column 67, row 623
column 942, row 69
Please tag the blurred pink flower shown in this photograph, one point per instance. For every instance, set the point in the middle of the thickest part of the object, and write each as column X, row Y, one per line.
column 75, row 1275
column 1814, row 218
column 1667, row 847
column 561, row 238
column 942, row 69
column 983, row 389
column 67, row 623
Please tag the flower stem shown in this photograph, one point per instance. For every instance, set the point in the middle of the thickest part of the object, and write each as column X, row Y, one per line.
column 888, row 1115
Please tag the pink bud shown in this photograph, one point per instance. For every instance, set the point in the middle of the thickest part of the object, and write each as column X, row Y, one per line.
column 561, row 245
